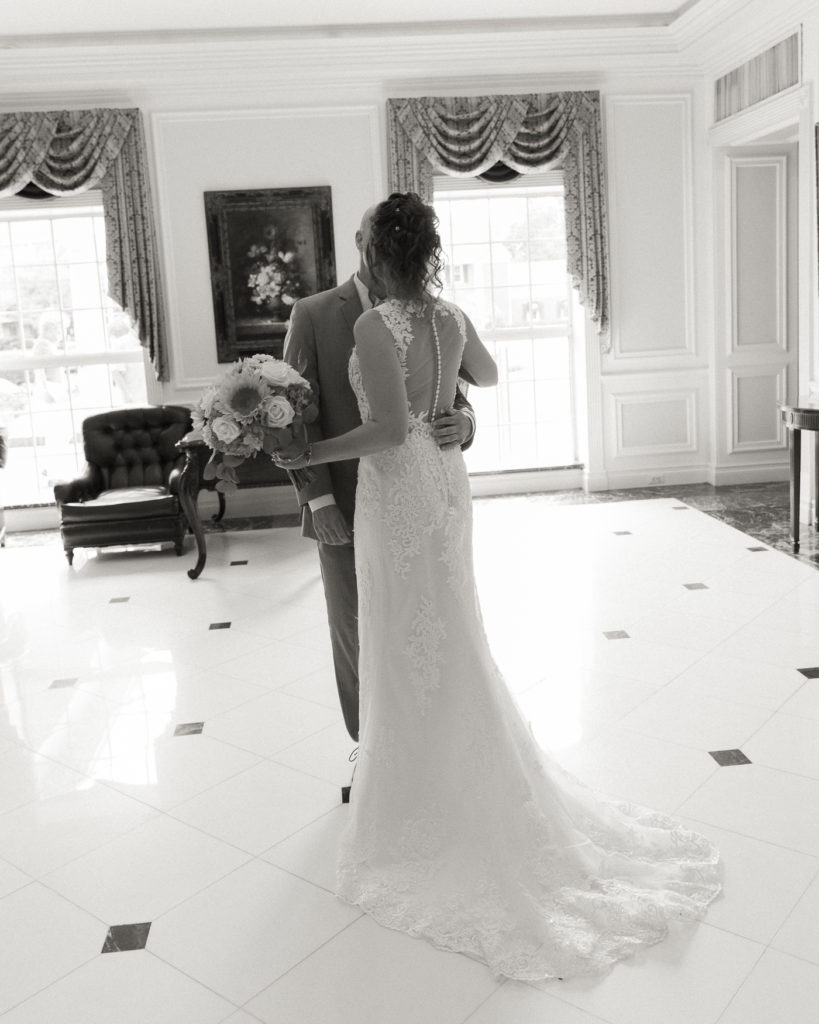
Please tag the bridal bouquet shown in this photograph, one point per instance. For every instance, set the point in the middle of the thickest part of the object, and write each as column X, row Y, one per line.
column 261, row 404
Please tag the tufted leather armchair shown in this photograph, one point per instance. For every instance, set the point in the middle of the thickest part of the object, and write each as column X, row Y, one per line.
column 129, row 492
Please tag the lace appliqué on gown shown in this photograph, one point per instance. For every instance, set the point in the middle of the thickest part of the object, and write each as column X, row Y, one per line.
column 462, row 830
column 423, row 650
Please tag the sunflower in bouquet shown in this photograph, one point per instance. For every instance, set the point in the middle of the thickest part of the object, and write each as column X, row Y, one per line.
column 260, row 404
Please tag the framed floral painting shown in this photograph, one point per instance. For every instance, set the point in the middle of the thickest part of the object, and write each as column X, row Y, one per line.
column 267, row 248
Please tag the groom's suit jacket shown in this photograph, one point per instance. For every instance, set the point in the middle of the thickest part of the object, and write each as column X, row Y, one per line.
column 318, row 345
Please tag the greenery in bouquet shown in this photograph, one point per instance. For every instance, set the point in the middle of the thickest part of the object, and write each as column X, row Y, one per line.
column 260, row 404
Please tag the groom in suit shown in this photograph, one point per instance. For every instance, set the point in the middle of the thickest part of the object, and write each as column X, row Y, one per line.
column 318, row 345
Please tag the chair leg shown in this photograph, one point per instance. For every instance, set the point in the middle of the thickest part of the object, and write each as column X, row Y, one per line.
column 69, row 554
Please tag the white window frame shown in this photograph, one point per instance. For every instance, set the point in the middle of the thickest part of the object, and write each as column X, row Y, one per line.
column 549, row 478
column 24, row 209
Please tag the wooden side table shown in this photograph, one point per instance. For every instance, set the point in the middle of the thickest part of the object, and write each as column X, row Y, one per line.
column 802, row 416
column 259, row 471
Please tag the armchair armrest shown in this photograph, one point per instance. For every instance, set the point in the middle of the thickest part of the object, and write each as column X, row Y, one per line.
column 81, row 488
column 175, row 475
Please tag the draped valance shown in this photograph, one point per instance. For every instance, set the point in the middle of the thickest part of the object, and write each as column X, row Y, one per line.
column 70, row 151
column 466, row 135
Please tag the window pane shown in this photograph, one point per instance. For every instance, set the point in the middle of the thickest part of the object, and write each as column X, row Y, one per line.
column 8, row 292
column 74, row 240
column 31, row 241
column 470, row 220
column 5, row 245
column 89, row 331
column 506, row 250
column 54, row 266
column 552, row 359
column 508, row 218
column 80, row 286
column 92, row 389
column 38, row 287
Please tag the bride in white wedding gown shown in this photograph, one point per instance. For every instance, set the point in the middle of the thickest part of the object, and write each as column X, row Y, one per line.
column 462, row 829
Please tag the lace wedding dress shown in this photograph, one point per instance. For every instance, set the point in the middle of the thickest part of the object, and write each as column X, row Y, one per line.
column 462, row 829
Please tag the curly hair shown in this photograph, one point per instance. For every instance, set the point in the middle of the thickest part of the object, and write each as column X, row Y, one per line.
column 404, row 245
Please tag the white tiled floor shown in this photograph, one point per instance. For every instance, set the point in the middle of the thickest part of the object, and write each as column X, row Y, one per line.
column 224, row 839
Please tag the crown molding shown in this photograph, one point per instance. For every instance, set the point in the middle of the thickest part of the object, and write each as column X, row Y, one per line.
column 382, row 29
column 166, row 67
column 304, row 64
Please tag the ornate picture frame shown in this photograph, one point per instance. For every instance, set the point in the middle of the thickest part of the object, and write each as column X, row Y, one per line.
column 268, row 247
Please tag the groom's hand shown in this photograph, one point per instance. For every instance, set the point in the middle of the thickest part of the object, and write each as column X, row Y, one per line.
column 451, row 429
column 330, row 526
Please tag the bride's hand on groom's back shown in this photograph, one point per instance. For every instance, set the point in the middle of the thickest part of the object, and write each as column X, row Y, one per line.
column 330, row 526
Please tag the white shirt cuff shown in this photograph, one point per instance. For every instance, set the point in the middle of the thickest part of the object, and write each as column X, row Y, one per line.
column 322, row 501
column 471, row 417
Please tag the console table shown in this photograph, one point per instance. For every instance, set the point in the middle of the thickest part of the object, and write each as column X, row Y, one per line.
column 260, row 471
column 804, row 415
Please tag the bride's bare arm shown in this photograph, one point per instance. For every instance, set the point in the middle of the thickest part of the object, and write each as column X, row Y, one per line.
column 477, row 365
column 383, row 381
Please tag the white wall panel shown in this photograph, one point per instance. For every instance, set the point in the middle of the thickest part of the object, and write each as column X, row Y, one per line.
column 648, row 140
column 650, row 423
column 656, row 427
column 757, row 393
column 196, row 152
column 759, row 213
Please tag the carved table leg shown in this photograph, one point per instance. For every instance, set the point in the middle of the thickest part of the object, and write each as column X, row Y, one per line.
column 816, row 479
column 188, row 494
column 796, row 467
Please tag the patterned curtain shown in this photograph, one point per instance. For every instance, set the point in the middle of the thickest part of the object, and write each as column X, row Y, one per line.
column 75, row 150
column 466, row 135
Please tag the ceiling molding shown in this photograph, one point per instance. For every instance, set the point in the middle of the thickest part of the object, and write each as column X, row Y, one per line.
column 387, row 19
column 164, row 68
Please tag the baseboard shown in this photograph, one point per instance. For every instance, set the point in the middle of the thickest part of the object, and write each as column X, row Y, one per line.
column 630, row 478
column 725, row 476
column 526, row 482
column 37, row 517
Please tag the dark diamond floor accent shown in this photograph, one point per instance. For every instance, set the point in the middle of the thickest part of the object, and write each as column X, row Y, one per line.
column 728, row 757
column 189, row 729
column 219, row 625
column 242, row 561
column 679, row 508
column 119, row 600
column 695, row 586
column 622, row 533
column 758, row 549
column 345, row 794
column 124, row 937
column 810, row 673
column 616, row 634
column 58, row 684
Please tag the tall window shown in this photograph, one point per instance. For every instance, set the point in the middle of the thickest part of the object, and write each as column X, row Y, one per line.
column 66, row 350
column 506, row 267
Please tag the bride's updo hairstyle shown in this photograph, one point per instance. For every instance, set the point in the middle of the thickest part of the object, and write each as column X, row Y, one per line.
column 404, row 248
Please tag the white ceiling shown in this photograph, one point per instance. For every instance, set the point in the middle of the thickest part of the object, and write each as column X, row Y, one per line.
column 86, row 17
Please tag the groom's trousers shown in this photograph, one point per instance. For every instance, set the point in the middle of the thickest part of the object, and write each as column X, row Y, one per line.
column 341, row 593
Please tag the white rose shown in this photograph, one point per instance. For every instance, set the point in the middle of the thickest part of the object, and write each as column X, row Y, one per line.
column 225, row 429
column 277, row 411
column 280, row 374
column 276, row 372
